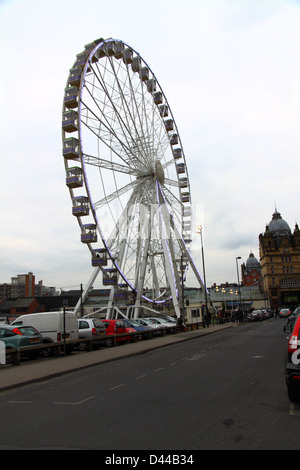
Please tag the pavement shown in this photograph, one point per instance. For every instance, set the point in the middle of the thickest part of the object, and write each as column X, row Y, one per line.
column 12, row 376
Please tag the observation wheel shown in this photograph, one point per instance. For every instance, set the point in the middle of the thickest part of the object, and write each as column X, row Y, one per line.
column 127, row 176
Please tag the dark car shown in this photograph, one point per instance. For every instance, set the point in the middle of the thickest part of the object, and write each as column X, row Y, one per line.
column 143, row 330
column 296, row 311
column 285, row 313
column 292, row 359
column 20, row 337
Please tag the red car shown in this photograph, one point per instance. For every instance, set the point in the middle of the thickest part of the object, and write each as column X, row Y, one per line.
column 114, row 327
column 292, row 358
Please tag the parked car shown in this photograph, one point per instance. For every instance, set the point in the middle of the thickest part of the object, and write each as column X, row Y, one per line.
column 52, row 327
column 256, row 315
column 20, row 337
column 296, row 311
column 285, row 312
column 292, row 360
column 170, row 319
column 91, row 328
column 114, row 327
column 149, row 324
column 162, row 322
column 143, row 329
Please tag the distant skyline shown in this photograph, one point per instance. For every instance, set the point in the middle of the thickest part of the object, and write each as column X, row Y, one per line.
column 230, row 72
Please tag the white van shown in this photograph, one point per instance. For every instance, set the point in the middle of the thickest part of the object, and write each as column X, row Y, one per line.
column 51, row 326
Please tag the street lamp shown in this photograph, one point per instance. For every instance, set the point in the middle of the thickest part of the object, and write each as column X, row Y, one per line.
column 203, row 265
column 238, row 276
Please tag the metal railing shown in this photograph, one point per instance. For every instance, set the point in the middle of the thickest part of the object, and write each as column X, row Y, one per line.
column 64, row 347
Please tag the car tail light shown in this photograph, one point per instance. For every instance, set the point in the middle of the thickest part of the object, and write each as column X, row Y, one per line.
column 94, row 331
column 58, row 336
column 293, row 341
column 17, row 331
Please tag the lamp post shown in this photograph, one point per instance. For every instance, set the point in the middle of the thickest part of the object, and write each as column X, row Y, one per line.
column 203, row 265
column 238, row 276
column 182, row 288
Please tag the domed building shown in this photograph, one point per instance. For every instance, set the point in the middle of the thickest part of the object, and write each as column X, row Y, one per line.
column 251, row 271
column 279, row 250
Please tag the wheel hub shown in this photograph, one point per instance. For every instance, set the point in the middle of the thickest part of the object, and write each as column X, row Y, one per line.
column 159, row 173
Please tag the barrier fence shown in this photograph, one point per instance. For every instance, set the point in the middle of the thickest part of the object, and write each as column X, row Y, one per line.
column 59, row 348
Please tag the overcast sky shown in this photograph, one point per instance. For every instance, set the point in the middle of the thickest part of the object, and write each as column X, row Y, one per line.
column 230, row 70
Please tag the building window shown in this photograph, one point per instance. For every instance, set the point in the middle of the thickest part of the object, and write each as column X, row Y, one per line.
column 288, row 283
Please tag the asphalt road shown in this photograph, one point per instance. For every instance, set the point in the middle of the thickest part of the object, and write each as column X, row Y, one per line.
column 221, row 391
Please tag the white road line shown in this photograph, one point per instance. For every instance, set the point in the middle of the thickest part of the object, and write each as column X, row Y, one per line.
column 19, row 402
column 73, row 404
column 140, row 377
column 117, row 386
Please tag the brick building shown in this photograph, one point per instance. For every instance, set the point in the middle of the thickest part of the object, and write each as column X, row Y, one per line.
column 251, row 272
column 279, row 250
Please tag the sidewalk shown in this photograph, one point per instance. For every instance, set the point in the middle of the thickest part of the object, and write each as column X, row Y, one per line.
column 44, row 369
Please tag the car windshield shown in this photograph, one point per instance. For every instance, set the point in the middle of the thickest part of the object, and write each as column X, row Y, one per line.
column 98, row 323
column 28, row 330
column 5, row 332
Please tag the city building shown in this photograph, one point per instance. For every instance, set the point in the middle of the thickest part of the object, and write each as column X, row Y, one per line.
column 279, row 250
column 251, row 271
column 5, row 291
column 22, row 286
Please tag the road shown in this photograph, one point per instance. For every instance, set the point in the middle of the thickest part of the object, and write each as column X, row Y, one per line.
column 221, row 391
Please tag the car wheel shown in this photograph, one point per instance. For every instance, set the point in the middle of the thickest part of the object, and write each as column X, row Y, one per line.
column 82, row 346
column 293, row 394
column 47, row 352
column 109, row 342
column 9, row 358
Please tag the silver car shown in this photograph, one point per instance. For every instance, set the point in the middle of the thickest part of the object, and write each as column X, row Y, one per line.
column 163, row 322
column 91, row 328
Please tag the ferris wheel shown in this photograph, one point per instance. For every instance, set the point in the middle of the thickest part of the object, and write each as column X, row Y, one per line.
column 127, row 176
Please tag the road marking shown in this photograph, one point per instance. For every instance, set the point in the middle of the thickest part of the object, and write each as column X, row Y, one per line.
column 140, row 377
column 73, row 404
column 173, row 363
column 19, row 402
column 257, row 357
column 117, row 386
column 157, row 370
column 194, row 357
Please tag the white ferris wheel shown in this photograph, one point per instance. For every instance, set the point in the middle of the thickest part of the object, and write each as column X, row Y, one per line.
column 127, row 177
